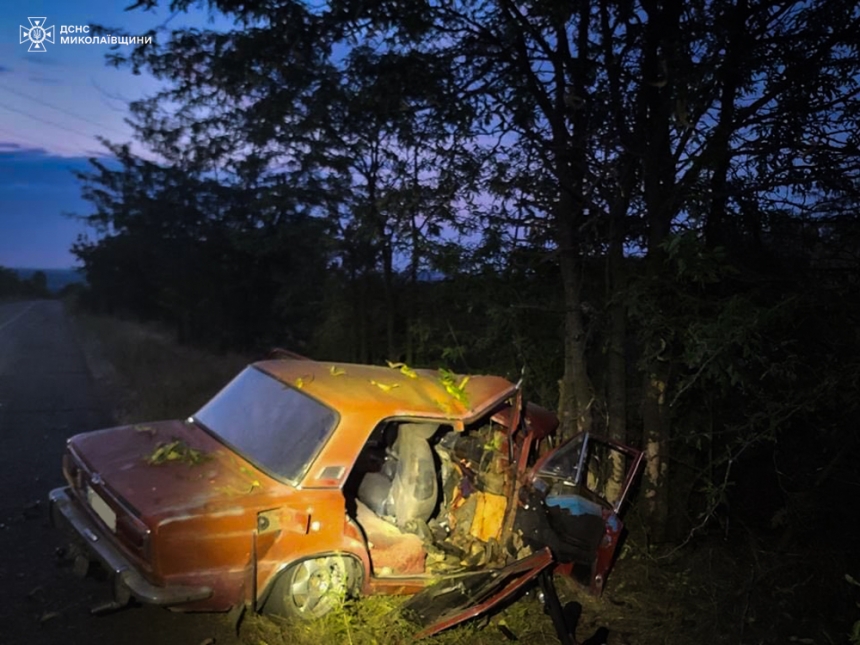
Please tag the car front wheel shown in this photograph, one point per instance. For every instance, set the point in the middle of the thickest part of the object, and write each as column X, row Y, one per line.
column 311, row 588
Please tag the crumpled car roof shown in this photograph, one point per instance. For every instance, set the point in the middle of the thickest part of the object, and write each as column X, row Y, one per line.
column 391, row 391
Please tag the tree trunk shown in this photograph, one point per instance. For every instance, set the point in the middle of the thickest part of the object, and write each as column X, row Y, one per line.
column 576, row 395
column 377, row 219
column 414, row 258
column 656, row 428
column 390, row 303
column 730, row 79
column 616, row 378
column 616, row 274
column 659, row 60
column 361, row 328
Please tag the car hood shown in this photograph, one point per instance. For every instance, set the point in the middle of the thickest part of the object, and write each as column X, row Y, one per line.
column 192, row 472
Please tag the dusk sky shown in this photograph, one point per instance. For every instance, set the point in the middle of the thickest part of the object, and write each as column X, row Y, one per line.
column 53, row 105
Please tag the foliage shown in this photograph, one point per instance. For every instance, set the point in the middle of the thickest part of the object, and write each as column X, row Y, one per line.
column 649, row 208
column 178, row 451
column 219, row 263
column 456, row 389
column 12, row 285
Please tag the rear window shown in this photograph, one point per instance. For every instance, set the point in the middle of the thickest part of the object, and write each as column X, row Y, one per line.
column 272, row 425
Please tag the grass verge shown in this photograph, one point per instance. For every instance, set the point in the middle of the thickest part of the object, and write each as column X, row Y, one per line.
column 147, row 375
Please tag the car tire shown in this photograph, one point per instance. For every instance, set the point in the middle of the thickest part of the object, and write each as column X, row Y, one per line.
column 312, row 588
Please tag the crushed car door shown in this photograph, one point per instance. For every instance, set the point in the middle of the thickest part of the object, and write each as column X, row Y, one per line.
column 590, row 467
column 574, row 502
column 460, row 597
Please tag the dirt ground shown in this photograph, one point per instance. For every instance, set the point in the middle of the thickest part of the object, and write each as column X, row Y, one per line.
column 730, row 586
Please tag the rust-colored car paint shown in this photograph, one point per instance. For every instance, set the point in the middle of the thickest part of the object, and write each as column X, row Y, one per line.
column 225, row 524
column 202, row 518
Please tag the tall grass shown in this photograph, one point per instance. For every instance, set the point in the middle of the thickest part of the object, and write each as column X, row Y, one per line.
column 146, row 374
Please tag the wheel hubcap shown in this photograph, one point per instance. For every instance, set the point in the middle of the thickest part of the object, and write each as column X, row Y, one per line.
column 318, row 586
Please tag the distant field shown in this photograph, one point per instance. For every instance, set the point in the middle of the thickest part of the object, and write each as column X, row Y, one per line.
column 57, row 278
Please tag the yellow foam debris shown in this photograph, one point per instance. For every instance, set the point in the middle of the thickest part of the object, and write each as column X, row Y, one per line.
column 489, row 516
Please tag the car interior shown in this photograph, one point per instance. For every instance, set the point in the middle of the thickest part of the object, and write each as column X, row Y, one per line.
column 428, row 498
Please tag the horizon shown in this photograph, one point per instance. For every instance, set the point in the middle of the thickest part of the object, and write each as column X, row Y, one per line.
column 76, row 269
column 55, row 102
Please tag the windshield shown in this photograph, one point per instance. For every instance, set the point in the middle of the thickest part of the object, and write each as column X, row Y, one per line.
column 276, row 427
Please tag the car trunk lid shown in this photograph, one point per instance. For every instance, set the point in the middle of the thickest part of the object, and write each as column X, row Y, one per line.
column 161, row 469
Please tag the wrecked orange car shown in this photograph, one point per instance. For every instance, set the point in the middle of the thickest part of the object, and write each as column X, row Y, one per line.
column 303, row 481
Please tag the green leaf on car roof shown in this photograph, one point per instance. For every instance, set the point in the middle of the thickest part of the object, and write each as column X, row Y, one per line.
column 457, row 390
column 404, row 369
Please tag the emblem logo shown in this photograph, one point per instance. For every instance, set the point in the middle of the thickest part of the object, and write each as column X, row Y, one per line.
column 38, row 34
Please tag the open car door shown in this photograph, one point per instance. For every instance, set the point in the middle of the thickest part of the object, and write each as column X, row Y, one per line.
column 574, row 501
column 461, row 597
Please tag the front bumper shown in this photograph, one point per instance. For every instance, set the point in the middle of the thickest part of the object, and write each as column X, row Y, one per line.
column 67, row 514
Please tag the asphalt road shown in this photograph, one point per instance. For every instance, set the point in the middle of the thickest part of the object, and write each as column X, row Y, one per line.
column 46, row 395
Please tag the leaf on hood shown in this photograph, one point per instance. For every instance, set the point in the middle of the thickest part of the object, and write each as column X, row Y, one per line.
column 176, row 450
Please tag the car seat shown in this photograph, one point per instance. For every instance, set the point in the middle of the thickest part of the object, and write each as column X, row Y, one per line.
column 406, row 488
